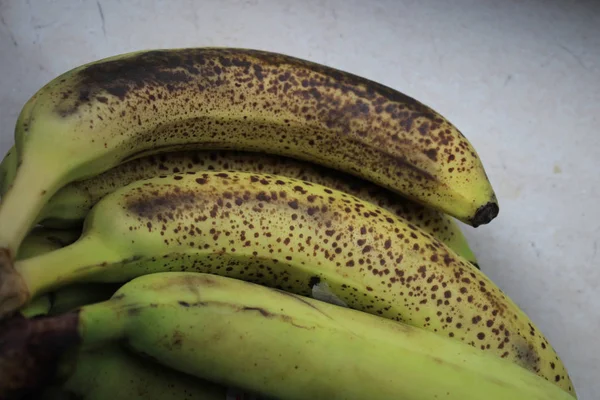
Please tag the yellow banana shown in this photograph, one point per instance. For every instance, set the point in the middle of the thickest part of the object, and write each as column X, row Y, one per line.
column 72, row 203
column 270, row 342
column 110, row 111
column 286, row 233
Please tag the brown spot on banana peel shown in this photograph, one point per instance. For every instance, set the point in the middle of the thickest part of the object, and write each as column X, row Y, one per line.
column 30, row 351
column 316, row 98
column 268, row 314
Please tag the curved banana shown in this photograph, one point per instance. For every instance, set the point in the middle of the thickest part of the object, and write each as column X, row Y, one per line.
column 286, row 233
column 270, row 342
column 110, row 372
column 104, row 113
column 71, row 204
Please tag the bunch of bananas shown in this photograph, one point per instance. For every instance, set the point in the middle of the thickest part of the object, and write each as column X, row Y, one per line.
column 182, row 223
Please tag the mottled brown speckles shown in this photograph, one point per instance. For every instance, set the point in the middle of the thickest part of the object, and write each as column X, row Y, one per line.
column 329, row 104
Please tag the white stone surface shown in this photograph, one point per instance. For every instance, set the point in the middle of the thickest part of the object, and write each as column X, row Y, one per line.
column 521, row 79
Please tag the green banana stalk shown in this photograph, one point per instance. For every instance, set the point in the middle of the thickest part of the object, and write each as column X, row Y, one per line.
column 41, row 241
column 72, row 203
column 104, row 113
column 44, row 240
column 270, row 342
column 289, row 234
column 110, row 372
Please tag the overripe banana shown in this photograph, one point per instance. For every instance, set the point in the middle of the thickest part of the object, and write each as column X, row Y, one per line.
column 107, row 112
column 289, row 234
column 270, row 342
column 72, row 203
column 110, row 372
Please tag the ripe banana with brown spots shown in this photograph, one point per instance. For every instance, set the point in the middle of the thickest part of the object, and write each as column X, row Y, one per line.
column 102, row 114
column 70, row 205
column 266, row 341
column 290, row 234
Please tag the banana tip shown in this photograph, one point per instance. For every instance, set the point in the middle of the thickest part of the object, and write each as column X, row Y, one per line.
column 485, row 214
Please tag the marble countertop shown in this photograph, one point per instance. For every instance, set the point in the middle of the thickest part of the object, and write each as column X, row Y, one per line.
column 521, row 79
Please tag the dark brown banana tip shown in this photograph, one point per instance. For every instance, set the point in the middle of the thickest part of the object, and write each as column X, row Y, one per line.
column 485, row 214
column 30, row 351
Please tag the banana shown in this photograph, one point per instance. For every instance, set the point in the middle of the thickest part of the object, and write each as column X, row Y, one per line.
column 71, row 204
column 8, row 170
column 104, row 113
column 289, row 234
column 270, row 342
column 110, row 372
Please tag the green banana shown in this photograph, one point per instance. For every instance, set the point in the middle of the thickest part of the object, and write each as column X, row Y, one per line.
column 72, row 203
column 270, row 342
column 104, row 113
column 110, row 372
column 8, row 170
column 286, row 233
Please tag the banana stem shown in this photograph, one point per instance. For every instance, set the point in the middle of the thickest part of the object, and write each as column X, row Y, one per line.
column 89, row 251
column 31, row 190
column 105, row 321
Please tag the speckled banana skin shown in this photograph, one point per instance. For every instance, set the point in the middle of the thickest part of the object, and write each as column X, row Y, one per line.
column 270, row 342
column 71, row 204
column 289, row 234
column 99, row 115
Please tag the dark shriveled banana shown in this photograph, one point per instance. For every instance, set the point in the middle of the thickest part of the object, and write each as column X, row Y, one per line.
column 102, row 114
column 289, row 234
